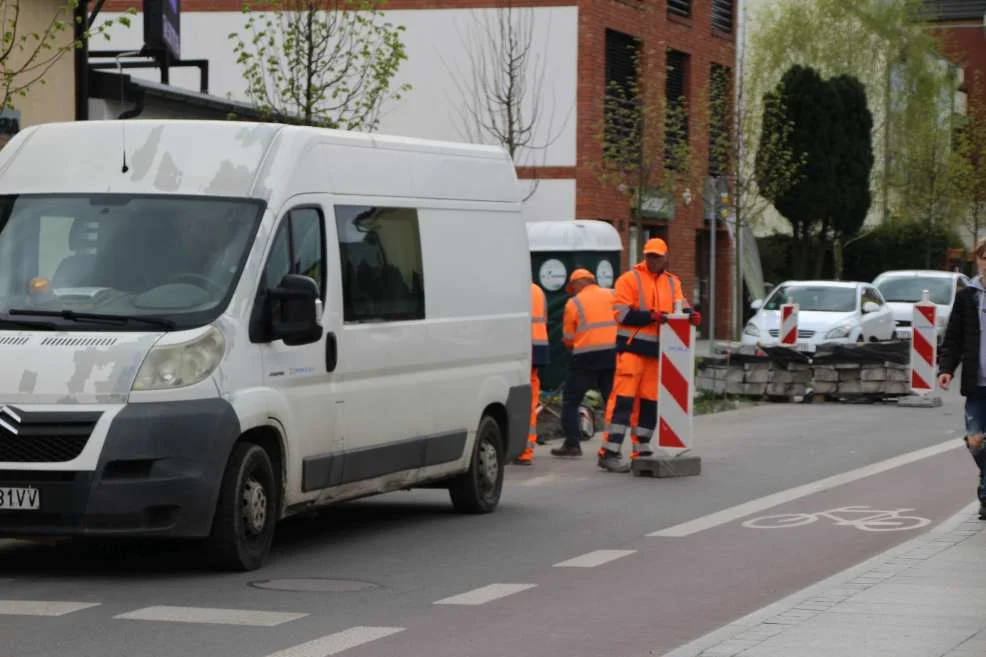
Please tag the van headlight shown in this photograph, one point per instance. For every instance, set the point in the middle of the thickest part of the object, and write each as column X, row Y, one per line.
column 179, row 365
column 751, row 329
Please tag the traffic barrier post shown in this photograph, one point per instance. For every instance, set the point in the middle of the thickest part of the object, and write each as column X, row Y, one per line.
column 924, row 355
column 789, row 323
column 675, row 401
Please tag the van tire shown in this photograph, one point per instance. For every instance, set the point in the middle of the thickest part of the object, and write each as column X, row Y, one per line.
column 478, row 489
column 246, row 513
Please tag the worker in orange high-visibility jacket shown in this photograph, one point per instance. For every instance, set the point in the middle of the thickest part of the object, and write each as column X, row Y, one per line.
column 589, row 330
column 643, row 298
column 539, row 358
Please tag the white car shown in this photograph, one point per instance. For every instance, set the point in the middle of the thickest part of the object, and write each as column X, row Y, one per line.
column 902, row 289
column 828, row 312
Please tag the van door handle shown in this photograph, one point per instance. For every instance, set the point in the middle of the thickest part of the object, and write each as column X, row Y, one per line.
column 331, row 352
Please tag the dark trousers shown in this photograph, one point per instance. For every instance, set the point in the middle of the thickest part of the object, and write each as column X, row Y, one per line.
column 579, row 382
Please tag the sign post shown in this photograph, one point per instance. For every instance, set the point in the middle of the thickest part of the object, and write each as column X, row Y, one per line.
column 675, row 401
column 924, row 355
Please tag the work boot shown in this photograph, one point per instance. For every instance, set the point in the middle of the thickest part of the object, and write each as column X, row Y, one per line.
column 527, row 458
column 567, row 450
column 613, row 463
column 982, row 510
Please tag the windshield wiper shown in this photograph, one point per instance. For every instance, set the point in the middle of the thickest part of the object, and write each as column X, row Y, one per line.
column 94, row 317
column 25, row 324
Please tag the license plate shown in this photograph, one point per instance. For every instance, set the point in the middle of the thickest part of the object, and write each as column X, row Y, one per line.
column 20, row 499
column 903, row 333
column 807, row 347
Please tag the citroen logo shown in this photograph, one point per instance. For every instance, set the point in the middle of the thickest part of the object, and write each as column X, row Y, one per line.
column 10, row 419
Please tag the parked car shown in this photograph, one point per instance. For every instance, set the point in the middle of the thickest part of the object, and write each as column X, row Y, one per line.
column 902, row 289
column 828, row 312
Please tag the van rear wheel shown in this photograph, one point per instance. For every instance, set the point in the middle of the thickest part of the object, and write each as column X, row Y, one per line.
column 478, row 489
column 246, row 512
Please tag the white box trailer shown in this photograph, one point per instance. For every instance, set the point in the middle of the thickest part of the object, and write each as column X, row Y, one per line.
column 209, row 326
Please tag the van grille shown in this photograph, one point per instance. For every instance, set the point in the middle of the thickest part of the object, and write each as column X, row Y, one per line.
column 46, row 437
column 78, row 342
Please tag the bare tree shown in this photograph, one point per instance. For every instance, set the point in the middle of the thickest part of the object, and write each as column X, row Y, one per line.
column 502, row 88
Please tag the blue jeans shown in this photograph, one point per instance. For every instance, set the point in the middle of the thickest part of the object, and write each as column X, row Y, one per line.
column 975, row 424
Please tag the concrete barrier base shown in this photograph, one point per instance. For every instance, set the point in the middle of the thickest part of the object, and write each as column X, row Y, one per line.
column 661, row 467
column 920, row 401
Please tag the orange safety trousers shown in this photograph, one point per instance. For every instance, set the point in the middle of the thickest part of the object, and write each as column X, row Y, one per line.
column 532, row 432
column 633, row 403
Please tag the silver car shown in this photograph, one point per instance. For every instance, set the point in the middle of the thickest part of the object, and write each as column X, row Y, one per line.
column 903, row 288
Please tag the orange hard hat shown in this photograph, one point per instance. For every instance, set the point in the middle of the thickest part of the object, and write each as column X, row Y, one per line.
column 579, row 275
column 657, row 246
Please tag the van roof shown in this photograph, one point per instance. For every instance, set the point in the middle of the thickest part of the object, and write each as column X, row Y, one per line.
column 248, row 160
column 573, row 235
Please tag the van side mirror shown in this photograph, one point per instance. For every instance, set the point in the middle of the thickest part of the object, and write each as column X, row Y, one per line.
column 298, row 322
column 871, row 307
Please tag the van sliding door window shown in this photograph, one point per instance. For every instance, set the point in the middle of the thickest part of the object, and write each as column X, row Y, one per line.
column 380, row 255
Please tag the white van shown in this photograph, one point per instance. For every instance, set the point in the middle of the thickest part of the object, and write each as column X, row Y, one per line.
column 209, row 326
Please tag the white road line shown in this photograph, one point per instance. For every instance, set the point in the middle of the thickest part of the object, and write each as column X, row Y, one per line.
column 211, row 616
column 41, row 607
column 333, row 644
column 485, row 594
column 753, row 506
column 593, row 559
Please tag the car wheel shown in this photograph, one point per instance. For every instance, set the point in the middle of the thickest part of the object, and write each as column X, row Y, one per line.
column 478, row 489
column 246, row 512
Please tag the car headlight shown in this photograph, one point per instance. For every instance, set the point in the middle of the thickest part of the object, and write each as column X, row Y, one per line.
column 179, row 365
column 751, row 329
column 841, row 331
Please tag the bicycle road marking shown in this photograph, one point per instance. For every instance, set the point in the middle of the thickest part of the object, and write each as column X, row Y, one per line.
column 761, row 504
column 860, row 517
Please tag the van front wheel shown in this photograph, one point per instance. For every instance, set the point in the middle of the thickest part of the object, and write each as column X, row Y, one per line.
column 243, row 526
column 478, row 489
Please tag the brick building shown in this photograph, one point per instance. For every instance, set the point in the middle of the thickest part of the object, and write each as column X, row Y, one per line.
column 583, row 45
column 961, row 26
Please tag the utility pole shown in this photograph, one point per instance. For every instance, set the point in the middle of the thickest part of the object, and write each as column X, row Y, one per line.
column 738, row 220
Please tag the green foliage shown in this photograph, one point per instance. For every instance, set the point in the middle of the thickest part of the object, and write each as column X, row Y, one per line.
column 896, row 244
column 26, row 56
column 325, row 63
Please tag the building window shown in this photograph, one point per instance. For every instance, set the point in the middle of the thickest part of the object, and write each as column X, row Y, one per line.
column 720, row 111
column 682, row 8
column 676, row 118
column 380, row 256
column 622, row 51
column 722, row 15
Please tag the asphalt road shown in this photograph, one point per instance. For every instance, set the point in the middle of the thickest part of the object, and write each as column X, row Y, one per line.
column 575, row 562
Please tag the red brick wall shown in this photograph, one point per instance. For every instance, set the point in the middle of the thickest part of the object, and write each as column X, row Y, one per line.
column 648, row 20
column 967, row 46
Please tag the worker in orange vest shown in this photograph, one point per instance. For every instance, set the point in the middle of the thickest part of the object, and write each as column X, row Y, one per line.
column 589, row 330
column 644, row 297
column 539, row 357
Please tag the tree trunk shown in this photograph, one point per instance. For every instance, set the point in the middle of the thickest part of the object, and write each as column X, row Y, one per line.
column 837, row 261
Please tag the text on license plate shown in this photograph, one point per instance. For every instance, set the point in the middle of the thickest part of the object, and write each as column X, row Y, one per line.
column 27, row 499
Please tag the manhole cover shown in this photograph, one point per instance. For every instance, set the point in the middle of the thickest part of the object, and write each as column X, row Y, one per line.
column 315, row 584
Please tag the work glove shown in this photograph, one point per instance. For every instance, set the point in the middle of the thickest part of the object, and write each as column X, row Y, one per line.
column 695, row 317
column 658, row 316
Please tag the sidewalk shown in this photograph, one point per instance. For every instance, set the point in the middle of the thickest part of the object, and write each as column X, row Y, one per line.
column 924, row 598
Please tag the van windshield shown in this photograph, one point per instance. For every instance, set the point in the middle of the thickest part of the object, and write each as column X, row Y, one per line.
column 172, row 258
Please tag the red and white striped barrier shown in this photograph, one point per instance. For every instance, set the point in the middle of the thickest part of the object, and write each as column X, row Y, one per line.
column 676, row 390
column 924, row 346
column 789, row 324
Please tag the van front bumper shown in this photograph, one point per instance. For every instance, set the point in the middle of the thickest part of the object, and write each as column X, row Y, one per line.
column 159, row 473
